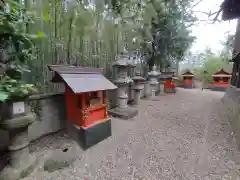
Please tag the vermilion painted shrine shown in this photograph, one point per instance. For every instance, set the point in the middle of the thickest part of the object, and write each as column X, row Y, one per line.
column 86, row 103
column 167, row 78
column 188, row 79
column 220, row 80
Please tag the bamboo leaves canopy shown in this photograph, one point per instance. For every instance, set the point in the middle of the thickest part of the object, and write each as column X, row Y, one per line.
column 92, row 33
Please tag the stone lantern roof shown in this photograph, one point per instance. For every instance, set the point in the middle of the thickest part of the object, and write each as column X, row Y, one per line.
column 124, row 60
column 138, row 77
column 154, row 72
column 121, row 60
column 131, row 62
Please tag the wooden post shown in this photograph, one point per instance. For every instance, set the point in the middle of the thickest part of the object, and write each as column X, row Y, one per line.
column 238, row 77
column 233, row 74
column 104, row 97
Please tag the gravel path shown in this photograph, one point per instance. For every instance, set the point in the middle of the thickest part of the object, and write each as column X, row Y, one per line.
column 180, row 137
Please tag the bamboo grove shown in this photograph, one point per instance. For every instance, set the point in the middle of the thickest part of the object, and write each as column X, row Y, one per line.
column 93, row 32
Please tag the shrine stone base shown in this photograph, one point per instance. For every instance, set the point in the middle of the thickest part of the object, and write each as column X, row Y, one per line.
column 153, row 98
column 88, row 137
column 231, row 110
column 123, row 113
column 188, row 86
column 219, row 88
column 21, row 163
column 169, row 90
column 15, row 173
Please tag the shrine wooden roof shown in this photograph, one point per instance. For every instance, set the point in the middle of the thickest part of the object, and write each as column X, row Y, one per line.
column 166, row 75
column 81, row 79
column 221, row 73
column 167, row 72
column 188, row 73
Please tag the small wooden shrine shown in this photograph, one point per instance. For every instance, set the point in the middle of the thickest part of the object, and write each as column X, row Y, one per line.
column 220, row 80
column 86, row 101
column 188, row 79
column 167, row 78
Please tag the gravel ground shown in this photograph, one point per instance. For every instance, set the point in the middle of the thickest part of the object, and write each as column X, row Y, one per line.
column 180, row 137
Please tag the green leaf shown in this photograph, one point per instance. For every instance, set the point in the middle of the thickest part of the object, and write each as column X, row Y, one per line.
column 46, row 16
column 41, row 34
column 3, row 96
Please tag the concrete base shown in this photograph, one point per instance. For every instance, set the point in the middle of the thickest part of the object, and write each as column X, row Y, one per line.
column 153, row 98
column 219, row 88
column 158, row 93
column 15, row 173
column 130, row 101
column 169, row 90
column 123, row 113
column 231, row 111
column 87, row 137
column 60, row 158
column 188, row 86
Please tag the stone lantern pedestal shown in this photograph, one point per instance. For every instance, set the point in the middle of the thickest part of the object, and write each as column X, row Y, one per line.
column 158, row 91
column 131, row 67
column 138, row 85
column 161, row 86
column 146, row 90
column 153, row 81
column 16, row 122
column 122, row 110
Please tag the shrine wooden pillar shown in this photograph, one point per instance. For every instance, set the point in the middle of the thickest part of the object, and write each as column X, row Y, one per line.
column 234, row 74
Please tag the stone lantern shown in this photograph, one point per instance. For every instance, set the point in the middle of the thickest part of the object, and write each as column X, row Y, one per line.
column 161, row 79
column 131, row 66
column 122, row 82
column 153, row 81
column 16, row 121
column 146, row 91
column 158, row 88
column 138, row 85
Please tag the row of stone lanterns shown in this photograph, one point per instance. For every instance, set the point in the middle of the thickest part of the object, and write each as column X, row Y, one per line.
column 123, row 82
column 122, row 66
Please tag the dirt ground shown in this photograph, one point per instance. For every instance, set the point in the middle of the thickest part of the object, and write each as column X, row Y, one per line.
column 179, row 137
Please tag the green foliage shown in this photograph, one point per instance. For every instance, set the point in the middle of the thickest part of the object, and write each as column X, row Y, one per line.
column 92, row 34
column 170, row 32
column 212, row 64
column 14, row 89
column 16, row 48
column 227, row 50
column 15, row 43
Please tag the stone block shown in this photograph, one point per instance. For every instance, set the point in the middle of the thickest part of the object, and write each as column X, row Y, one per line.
column 123, row 113
column 219, row 88
column 169, row 90
column 23, row 171
column 231, row 105
column 59, row 159
column 51, row 117
column 88, row 137
column 188, row 86
column 10, row 110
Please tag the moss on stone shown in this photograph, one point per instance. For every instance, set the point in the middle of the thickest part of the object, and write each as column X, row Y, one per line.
column 53, row 165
